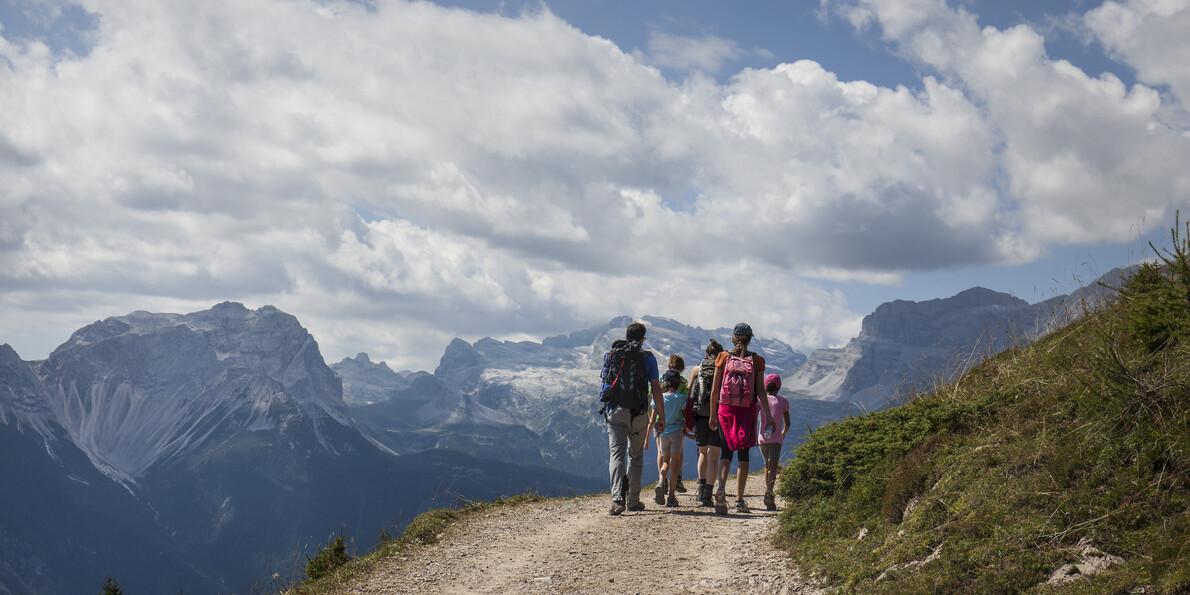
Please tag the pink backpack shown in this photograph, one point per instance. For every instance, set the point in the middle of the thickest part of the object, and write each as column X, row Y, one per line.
column 738, row 383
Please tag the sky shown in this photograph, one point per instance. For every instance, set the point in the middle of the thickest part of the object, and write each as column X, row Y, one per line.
column 396, row 174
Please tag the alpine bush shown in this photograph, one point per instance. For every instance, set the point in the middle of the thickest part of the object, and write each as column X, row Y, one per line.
column 330, row 556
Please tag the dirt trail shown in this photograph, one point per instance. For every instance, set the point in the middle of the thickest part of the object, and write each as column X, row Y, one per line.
column 575, row 546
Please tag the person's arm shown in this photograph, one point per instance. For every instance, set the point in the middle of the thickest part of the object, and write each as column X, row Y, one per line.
column 785, row 430
column 658, row 404
column 649, row 416
column 762, row 394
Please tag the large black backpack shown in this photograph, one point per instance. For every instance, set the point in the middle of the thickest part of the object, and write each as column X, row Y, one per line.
column 625, row 382
column 700, row 393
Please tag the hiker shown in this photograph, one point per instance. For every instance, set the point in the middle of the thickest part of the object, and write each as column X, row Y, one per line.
column 708, row 442
column 772, row 438
column 628, row 375
column 671, row 439
column 739, row 382
column 678, row 364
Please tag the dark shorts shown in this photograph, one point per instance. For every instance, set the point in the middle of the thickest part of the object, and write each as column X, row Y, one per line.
column 703, row 436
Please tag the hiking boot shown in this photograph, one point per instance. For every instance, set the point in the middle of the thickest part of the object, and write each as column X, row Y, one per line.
column 639, row 506
column 672, row 501
column 705, row 500
column 659, row 493
column 720, row 502
column 617, row 509
column 741, row 506
column 679, row 487
column 770, row 501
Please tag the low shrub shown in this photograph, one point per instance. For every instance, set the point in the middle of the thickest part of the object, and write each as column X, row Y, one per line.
column 329, row 558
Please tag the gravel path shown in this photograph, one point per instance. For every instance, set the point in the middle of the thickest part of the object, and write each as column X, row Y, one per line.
column 574, row 546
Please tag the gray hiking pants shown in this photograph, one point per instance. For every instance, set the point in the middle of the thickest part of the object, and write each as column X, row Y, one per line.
column 626, row 435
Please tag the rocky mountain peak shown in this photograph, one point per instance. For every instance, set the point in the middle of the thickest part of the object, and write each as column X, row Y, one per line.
column 135, row 390
column 460, row 366
column 365, row 382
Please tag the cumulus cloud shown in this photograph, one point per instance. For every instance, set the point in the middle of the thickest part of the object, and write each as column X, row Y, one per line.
column 1150, row 36
column 402, row 173
column 1078, row 155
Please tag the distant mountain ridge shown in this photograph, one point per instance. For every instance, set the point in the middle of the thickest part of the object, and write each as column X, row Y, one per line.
column 904, row 347
column 213, row 444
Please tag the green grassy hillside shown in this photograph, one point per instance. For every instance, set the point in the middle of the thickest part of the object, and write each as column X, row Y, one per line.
column 991, row 484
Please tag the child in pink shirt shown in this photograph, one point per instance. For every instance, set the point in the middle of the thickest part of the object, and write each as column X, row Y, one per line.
column 771, row 439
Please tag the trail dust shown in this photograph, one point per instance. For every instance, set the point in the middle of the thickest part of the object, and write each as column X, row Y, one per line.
column 573, row 545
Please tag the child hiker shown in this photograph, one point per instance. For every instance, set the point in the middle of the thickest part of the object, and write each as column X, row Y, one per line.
column 671, row 439
column 771, row 439
column 676, row 363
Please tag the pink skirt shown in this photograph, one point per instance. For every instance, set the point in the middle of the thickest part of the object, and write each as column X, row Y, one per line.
column 738, row 425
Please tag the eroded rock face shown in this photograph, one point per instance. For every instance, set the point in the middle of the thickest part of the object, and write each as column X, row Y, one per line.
column 23, row 401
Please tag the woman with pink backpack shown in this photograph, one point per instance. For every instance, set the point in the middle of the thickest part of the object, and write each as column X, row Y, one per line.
column 738, row 384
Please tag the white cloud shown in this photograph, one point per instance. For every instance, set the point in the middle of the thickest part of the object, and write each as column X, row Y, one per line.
column 400, row 174
column 1150, row 36
column 706, row 53
column 1084, row 158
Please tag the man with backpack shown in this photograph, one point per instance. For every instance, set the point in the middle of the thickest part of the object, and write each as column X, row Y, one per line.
column 628, row 374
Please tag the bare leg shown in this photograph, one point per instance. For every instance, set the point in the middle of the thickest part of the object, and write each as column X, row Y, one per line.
column 712, row 467
column 675, row 470
column 724, row 469
column 660, row 473
column 770, row 474
column 659, row 492
column 741, row 479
